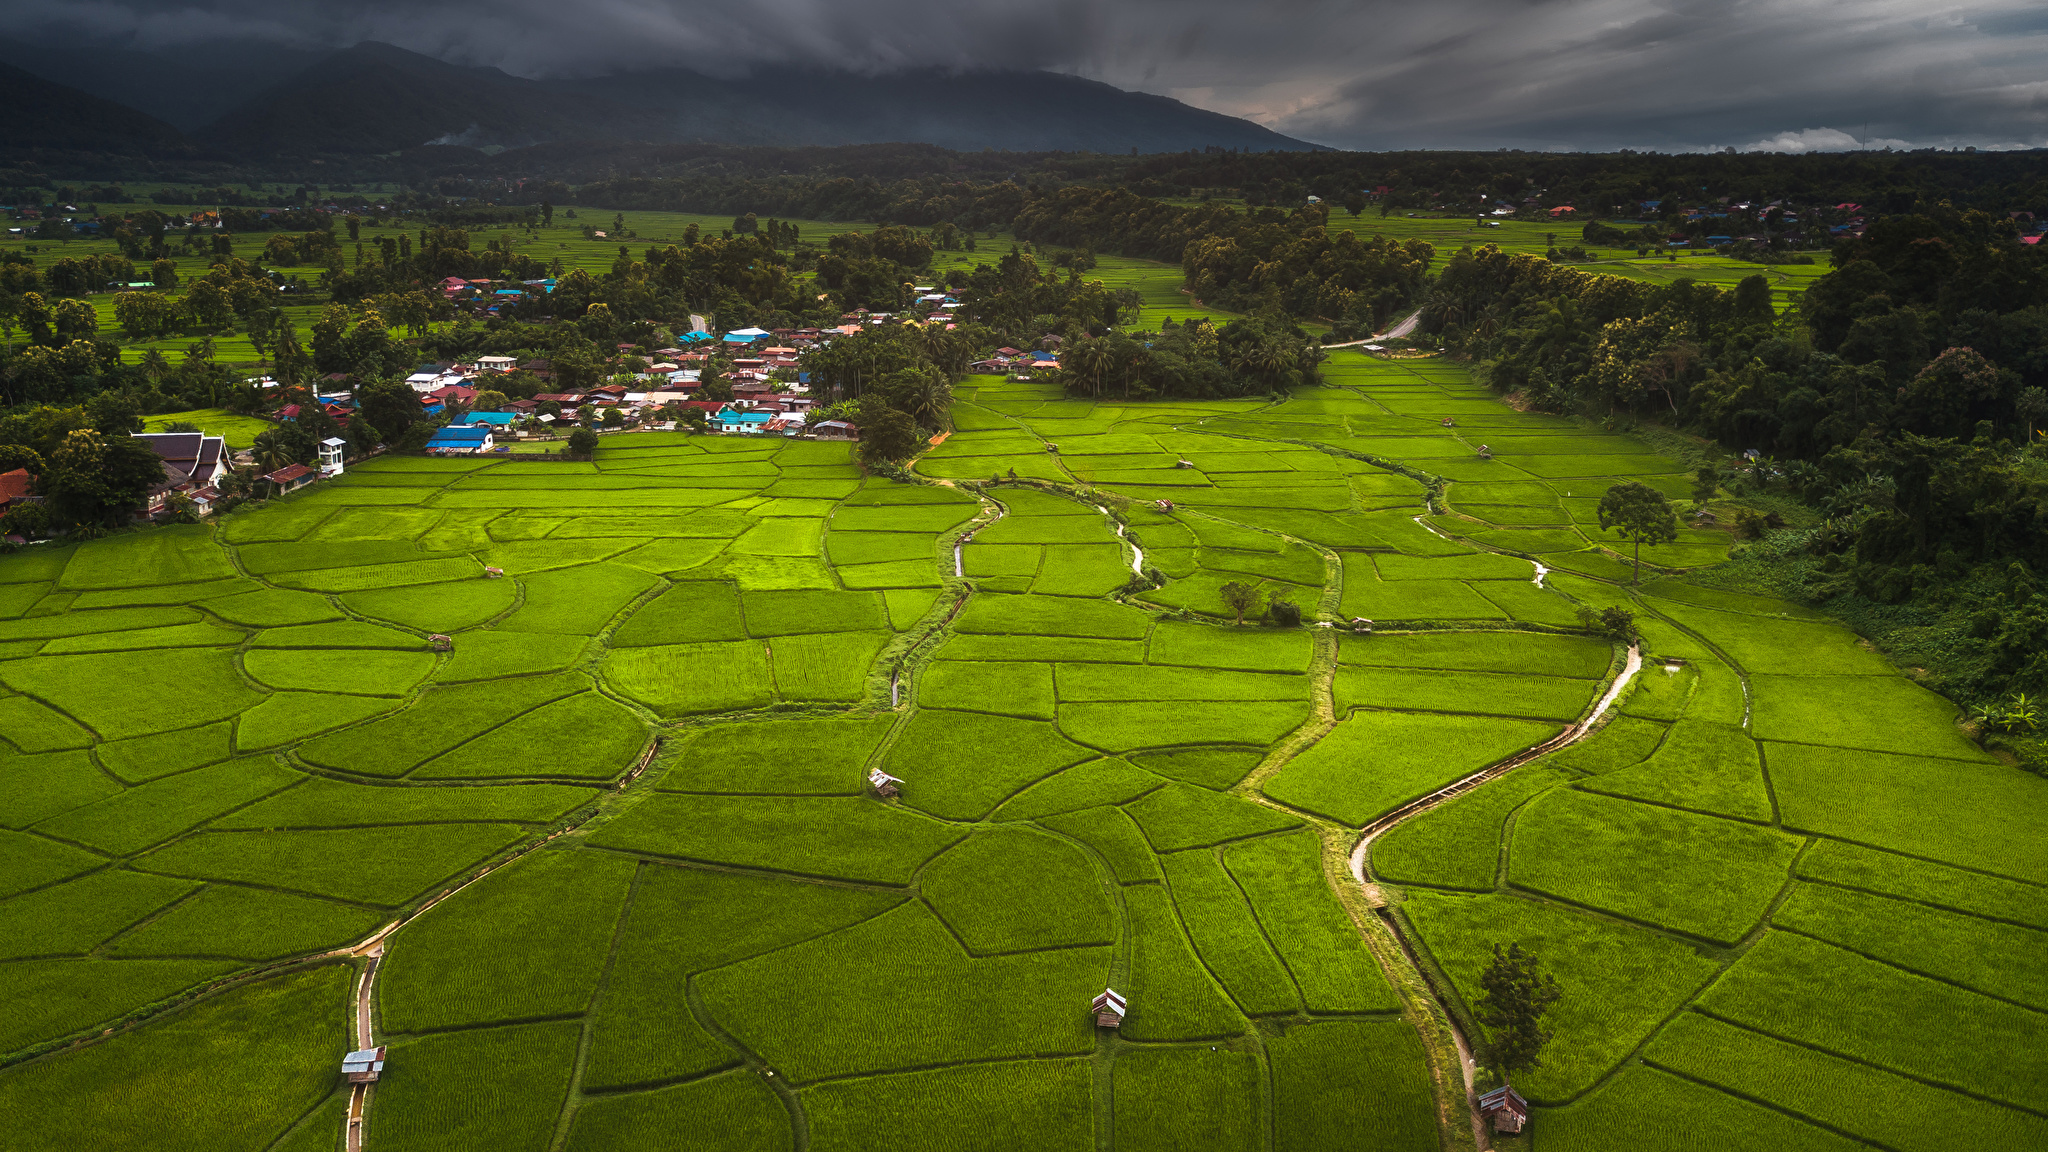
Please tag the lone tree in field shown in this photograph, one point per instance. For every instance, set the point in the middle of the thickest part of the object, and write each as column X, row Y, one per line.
column 583, row 442
column 1239, row 597
column 1517, row 996
column 1641, row 514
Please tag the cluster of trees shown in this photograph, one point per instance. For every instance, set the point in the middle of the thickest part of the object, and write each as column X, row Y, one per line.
column 1194, row 360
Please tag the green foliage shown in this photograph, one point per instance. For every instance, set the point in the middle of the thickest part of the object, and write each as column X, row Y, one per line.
column 973, row 1106
column 497, row 1088
column 1458, row 844
column 1226, row 934
column 1013, row 890
column 1848, row 1096
column 1171, row 995
column 74, row 917
column 780, row 756
column 1182, row 816
column 937, row 758
column 1517, row 996
column 1809, row 992
column 1113, row 836
column 382, row 866
column 138, row 817
column 1642, row 977
column 1375, row 762
column 1692, row 874
column 1331, row 964
column 1642, row 1104
column 1354, row 1084
column 248, row 924
column 842, row 838
column 1032, row 1003
column 278, row 1041
column 1186, row 1098
column 734, row 1110
column 528, row 941
column 684, row 921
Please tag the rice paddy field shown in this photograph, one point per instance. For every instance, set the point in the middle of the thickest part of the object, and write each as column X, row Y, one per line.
column 645, row 896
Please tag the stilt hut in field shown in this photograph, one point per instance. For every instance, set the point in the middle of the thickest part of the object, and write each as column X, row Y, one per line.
column 1505, row 1109
column 1109, row 1009
column 363, row 1066
column 884, row 784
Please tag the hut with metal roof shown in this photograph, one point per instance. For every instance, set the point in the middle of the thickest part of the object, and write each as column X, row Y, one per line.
column 1109, row 1008
column 1505, row 1109
column 363, row 1066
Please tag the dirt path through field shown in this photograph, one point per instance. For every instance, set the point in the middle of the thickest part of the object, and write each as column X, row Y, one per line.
column 1402, row 328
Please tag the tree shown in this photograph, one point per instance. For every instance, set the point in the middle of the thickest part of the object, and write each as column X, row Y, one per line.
column 887, row 436
column 583, row 442
column 94, row 480
column 1282, row 610
column 488, row 400
column 1239, row 598
column 282, row 447
column 2032, row 407
column 391, row 408
column 164, row 274
column 1641, row 515
column 1516, row 996
column 1705, row 482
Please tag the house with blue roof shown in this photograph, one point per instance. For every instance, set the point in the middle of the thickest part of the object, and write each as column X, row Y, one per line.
column 465, row 440
column 734, row 420
column 494, row 419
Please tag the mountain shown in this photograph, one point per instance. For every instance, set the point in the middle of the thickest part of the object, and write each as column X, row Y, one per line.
column 376, row 98
column 42, row 114
column 187, row 86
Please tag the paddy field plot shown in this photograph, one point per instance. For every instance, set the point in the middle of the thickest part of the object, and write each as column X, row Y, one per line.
column 232, row 745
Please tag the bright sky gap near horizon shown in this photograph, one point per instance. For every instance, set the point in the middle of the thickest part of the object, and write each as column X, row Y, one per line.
column 1668, row 75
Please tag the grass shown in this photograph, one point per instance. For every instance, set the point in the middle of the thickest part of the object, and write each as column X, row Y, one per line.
column 1210, row 767
column 1809, row 992
column 1629, row 979
column 687, row 920
column 1029, row 1004
column 1458, row 844
column 1975, row 815
column 1181, row 816
column 248, row 924
column 439, row 720
column 386, row 867
column 1051, row 616
column 1186, row 1100
column 34, row 788
column 734, row 1110
column 1123, row 727
column 1007, row 689
column 1043, row 1103
column 73, row 918
column 1854, row 866
column 1085, row 785
column 1703, row 766
column 1171, row 995
column 1310, row 931
column 1690, row 873
column 1375, row 762
column 1352, row 1084
column 937, row 757
column 1979, row 954
column 325, row 803
column 1226, row 935
column 775, row 757
column 52, row 998
column 526, row 942
column 495, row 1088
column 587, row 736
column 1642, row 1105
column 1890, row 1110
column 842, row 838
column 369, row 673
column 681, row 679
column 1014, row 890
column 1085, row 683
column 1527, row 697
column 1113, row 836
column 137, row 817
column 276, row 1042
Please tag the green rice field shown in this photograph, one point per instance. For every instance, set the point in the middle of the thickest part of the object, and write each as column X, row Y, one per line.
column 645, row 896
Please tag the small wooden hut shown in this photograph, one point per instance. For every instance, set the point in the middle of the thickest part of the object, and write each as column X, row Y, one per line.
column 1505, row 1109
column 363, row 1066
column 884, row 784
column 441, row 643
column 1109, row 1009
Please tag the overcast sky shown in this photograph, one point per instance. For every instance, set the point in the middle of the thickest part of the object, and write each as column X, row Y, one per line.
column 1783, row 75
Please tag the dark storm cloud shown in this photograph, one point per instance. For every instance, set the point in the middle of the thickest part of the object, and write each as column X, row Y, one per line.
column 1780, row 74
